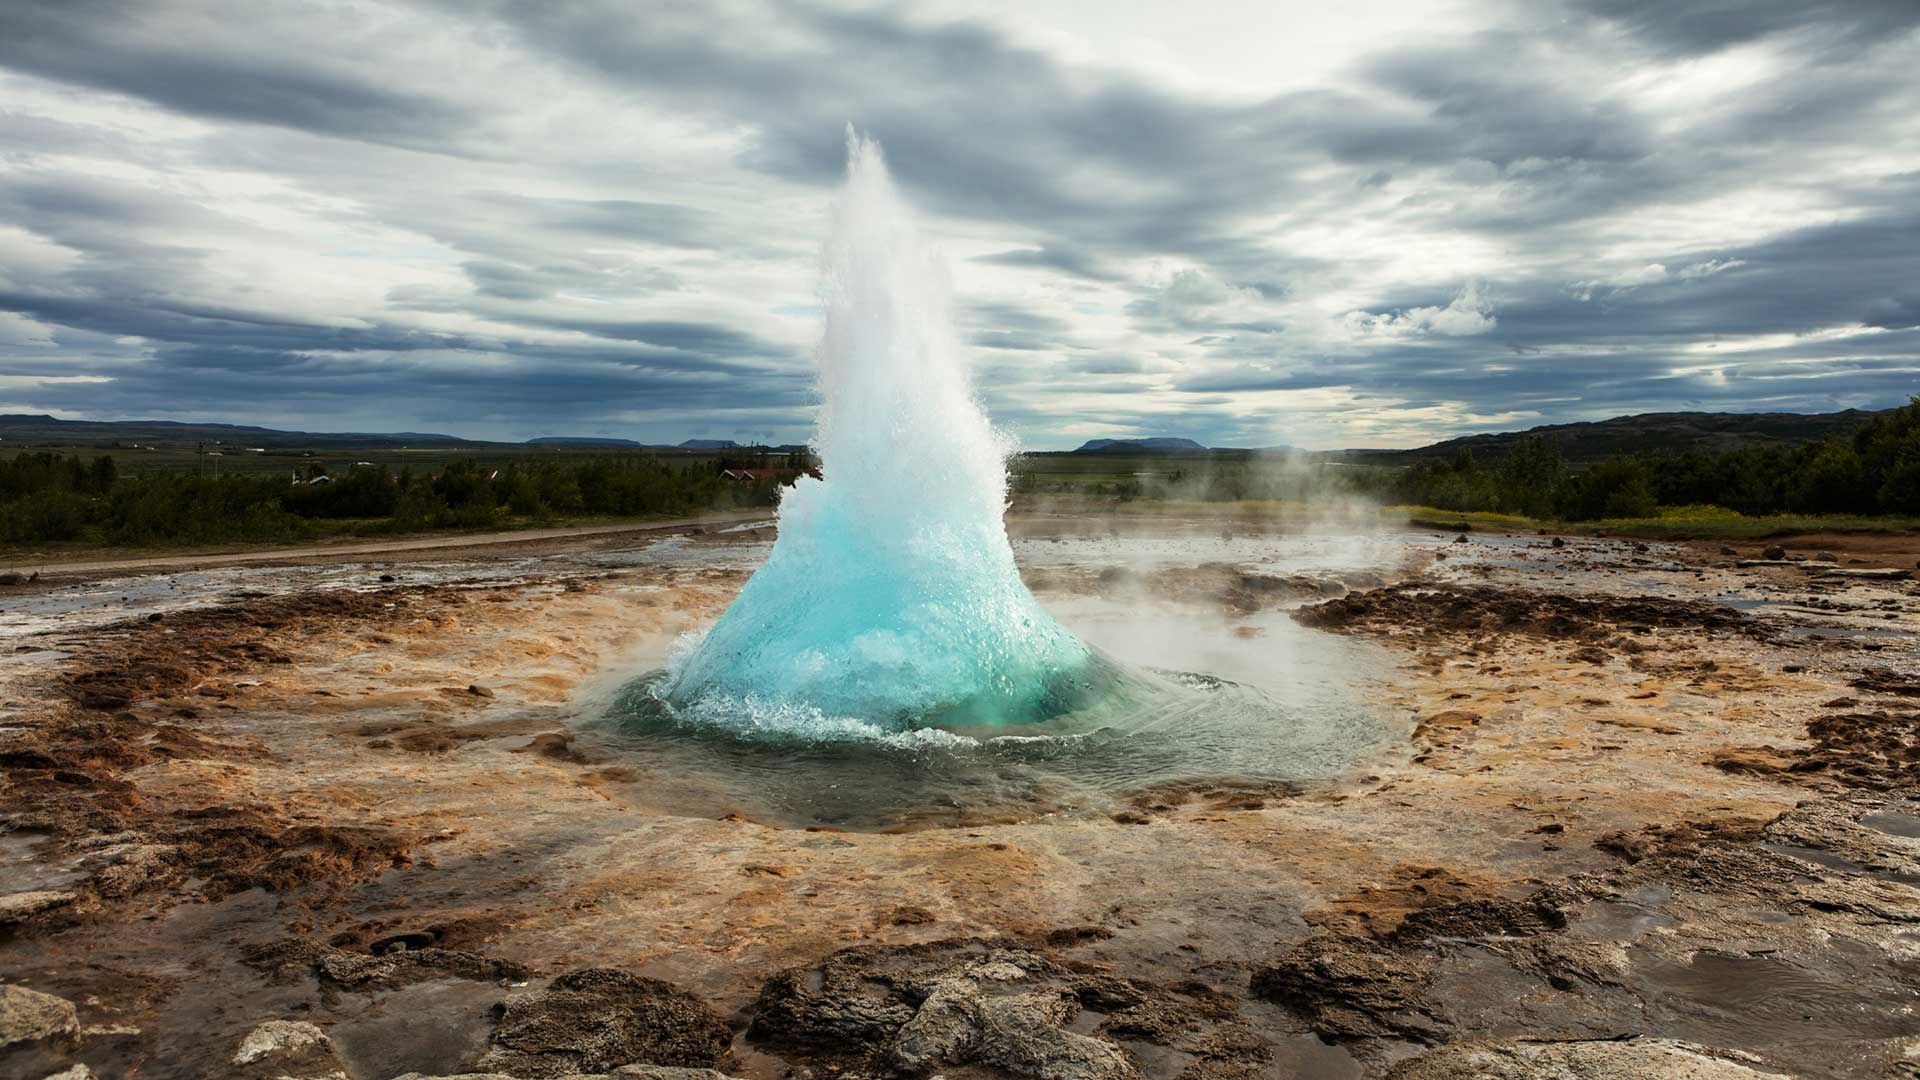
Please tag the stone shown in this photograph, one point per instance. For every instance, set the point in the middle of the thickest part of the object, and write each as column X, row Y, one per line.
column 289, row 1050
column 1579, row 1059
column 29, row 1016
column 1024, row 1034
column 600, row 1019
column 479, row 691
column 623, row 1073
column 1346, row 988
column 1773, row 551
column 21, row 905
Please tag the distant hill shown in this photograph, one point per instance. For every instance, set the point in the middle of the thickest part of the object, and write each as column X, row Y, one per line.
column 26, row 428
column 1646, row 433
column 1136, row 446
column 581, row 440
column 708, row 444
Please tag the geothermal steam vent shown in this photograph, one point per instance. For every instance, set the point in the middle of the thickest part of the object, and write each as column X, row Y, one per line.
column 891, row 596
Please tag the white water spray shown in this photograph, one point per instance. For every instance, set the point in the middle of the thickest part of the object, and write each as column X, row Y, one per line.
column 890, row 599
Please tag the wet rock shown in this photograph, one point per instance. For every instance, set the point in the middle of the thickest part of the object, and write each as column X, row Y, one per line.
column 1876, row 750
column 1579, row 1059
column 1559, row 542
column 1825, row 556
column 1888, row 681
column 1024, row 1034
column 1483, row 609
column 479, row 691
column 1773, row 551
column 288, row 1050
column 392, row 968
column 971, row 1004
column 29, row 1016
column 123, row 870
column 625, row 1072
column 1461, row 539
column 1725, row 550
column 600, row 1019
column 11, row 578
column 15, row 907
column 1565, row 964
column 1351, row 988
column 1480, row 919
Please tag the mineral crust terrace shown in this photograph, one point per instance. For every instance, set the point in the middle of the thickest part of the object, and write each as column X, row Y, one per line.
column 286, row 826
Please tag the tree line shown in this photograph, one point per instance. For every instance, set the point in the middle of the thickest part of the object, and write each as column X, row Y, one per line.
column 45, row 496
column 1873, row 470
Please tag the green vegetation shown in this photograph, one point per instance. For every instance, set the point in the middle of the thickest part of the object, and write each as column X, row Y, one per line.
column 1865, row 478
column 48, row 497
column 1872, row 470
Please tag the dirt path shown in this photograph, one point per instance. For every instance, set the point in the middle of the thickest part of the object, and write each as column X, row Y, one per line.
column 358, row 549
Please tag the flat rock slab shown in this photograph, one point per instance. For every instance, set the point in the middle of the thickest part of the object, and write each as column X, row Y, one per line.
column 1878, row 573
column 1607, row 1059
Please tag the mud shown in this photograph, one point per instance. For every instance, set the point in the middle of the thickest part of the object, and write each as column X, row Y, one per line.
column 1651, row 814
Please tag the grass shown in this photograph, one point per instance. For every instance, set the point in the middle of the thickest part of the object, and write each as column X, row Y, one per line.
column 1680, row 523
column 314, row 532
column 1670, row 523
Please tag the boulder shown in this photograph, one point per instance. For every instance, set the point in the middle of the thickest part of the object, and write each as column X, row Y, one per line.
column 288, row 1050
column 623, row 1073
column 1023, row 1034
column 600, row 1019
column 1347, row 988
column 29, row 1016
column 1773, row 551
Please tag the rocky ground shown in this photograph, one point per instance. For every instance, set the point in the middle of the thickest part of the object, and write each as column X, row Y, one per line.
column 1653, row 814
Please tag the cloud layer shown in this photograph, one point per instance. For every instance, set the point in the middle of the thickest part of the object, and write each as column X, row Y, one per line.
column 506, row 220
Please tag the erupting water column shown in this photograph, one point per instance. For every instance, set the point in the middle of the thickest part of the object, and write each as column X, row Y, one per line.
column 890, row 599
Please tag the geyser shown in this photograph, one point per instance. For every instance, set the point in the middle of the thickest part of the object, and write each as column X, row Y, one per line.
column 890, row 599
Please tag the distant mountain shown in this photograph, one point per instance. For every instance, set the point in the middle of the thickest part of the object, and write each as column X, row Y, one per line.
column 26, row 428
column 708, row 444
column 1646, row 433
column 581, row 440
column 1136, row 446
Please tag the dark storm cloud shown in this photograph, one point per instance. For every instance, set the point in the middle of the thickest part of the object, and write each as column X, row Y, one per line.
column 153, row 51
column 437, row 131
column 1696, row 28
column 1066, row 260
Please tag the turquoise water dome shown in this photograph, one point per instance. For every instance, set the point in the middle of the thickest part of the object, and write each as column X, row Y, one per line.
column 890, row 599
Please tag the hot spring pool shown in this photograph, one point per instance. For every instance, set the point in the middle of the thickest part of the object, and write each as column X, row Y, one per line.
column 1206, row 698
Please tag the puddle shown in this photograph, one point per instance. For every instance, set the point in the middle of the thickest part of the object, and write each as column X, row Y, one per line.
column 1769, row 1003
column 1893, row 823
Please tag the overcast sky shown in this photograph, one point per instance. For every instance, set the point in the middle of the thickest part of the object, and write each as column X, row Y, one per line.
column 1366, row 223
